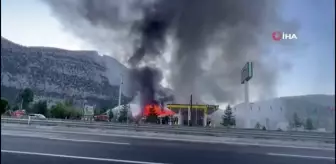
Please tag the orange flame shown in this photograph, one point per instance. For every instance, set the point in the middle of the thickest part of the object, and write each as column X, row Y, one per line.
column 158, row 110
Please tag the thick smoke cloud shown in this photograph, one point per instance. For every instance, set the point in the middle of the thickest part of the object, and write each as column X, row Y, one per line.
column 147, row 80
column 152, row 31
column 213, row 39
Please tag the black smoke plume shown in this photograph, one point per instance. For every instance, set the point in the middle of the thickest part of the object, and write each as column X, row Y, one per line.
column 146, row 80
column 152, row 31
column 213, row 39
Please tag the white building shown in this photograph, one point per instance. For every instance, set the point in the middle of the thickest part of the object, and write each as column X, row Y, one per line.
column 279, row 112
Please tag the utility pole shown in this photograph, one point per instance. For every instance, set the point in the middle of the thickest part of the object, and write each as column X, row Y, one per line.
column 128, row 108
column 189, row 111
column 119, row 99
column 121, row 82
column 21, row 103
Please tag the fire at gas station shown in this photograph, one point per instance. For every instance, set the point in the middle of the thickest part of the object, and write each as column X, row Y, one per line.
column 181, row 114
column 193, row 114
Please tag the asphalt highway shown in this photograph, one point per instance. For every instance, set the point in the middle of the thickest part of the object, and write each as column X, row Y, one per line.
column 61, row 148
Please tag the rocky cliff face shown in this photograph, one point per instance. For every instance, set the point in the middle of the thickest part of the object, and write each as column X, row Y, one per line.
column 59, row 74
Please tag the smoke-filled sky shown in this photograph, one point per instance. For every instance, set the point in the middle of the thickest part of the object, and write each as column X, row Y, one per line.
column 207, row 42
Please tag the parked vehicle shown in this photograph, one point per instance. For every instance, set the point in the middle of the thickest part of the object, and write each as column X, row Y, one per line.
column 102, row 117
column 37, row 116
column 18, row 113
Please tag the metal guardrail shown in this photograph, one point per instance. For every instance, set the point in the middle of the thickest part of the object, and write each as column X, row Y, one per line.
column 204, row 131
column 175, row 127
column 194, row 127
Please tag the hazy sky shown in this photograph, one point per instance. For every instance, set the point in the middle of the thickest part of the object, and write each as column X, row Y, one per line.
column 29, row 22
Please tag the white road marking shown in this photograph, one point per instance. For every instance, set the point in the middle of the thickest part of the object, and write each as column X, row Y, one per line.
column 301, row 156
column 186, row 140
column 282, row 146
column 79, row 157
column 91, row 141
column 68, row 139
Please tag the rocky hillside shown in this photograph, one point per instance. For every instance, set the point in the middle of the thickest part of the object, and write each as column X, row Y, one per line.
column 60, row 74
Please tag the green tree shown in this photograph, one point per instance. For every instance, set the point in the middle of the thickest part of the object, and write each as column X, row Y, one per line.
column 73, row 113
column 69, row 102
column 123, row 113
column 27, row 96
column 228, row 118
column 152, row 116
column 58, row 111
column 41, row 107
column 15, row 107
column 257, row 126
column 110, row 114
column 64, row 110
column 8, row 110
column 296, row 121
column 309, row 124
column 97, row 111
column 4, row 105
column 104, row 108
